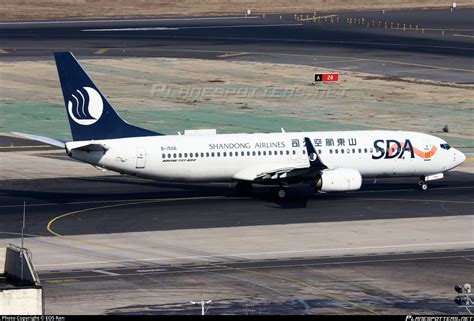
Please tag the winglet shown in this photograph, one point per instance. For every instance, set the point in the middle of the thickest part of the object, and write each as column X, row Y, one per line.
column 314, row 160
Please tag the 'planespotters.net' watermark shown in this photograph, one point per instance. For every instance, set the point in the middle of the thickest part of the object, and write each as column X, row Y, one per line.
column 164, row 90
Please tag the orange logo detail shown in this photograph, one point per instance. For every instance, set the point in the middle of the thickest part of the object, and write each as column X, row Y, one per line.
column 394, row 149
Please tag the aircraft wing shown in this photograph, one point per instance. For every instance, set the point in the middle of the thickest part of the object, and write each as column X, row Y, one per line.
column 268, row 171
column 308, row 165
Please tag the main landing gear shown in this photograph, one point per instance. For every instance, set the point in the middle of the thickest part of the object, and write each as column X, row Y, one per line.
column 279, row 192
column 244, row 188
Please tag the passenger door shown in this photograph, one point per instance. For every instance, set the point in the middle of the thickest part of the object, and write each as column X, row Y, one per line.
column 141, row 158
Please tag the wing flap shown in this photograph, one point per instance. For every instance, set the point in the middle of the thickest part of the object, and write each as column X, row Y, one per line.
column 267, row 171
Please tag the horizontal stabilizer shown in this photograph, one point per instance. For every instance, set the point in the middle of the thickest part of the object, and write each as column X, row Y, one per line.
column 47, row 140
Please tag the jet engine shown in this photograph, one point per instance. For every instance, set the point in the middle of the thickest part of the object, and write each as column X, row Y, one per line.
column 338, row 180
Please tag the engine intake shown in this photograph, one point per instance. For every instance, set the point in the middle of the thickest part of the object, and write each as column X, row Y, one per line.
column 338, row 180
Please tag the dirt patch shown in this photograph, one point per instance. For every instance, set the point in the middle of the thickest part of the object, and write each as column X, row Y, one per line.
column 18, row 10
column 239, row 96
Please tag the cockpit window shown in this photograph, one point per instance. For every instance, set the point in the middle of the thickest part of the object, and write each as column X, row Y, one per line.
column 445, row 146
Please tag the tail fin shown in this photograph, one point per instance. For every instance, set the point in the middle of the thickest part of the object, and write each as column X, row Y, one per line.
column 90, row 114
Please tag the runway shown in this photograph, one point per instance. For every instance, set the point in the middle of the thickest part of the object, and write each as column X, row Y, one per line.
column 428, row 44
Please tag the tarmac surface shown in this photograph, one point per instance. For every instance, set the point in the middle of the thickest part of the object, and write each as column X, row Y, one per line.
column 161, row 206
column 428, row 44
column 353, row 285
column 141, row 271
column 123, row 245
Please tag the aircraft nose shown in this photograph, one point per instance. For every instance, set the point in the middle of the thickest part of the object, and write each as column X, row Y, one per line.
column 460, row 157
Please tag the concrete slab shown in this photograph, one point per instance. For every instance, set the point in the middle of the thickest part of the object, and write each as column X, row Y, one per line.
column 254, row 242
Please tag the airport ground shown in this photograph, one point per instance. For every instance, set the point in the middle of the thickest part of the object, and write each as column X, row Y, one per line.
column 119, row 244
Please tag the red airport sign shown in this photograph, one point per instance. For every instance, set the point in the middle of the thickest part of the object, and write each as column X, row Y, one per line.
column 326, row 77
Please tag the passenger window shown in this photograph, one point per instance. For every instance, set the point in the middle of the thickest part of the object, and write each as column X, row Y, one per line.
column 336, row 151
column 269, row 153
column 342, row 151
column 242, row 153
column 207, row 154
column 169, row 155
column 360, row 150
column 372, row 150
column 174, row 155
column 304, row 152
column 202, row 154
column 294, row 152
column 185, row 155
column 230, row 153
column 224, row 154
column 330, row 151
column 365, row 150
column 281, row 152
column 218, row 154
column 320, row 151
column 253, row 153
column 264, row 153
column 259, row 153
column 212, row 154
column 287, row 152
column 163, row 156
column 353, row 151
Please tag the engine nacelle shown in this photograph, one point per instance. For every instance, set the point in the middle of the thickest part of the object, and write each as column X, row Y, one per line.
column 339, row 180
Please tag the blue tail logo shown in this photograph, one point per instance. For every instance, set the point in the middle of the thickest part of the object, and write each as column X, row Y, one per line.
column 90, row 114
column 85, row 106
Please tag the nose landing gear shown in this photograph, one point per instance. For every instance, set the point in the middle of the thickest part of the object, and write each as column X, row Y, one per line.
column 422, row 184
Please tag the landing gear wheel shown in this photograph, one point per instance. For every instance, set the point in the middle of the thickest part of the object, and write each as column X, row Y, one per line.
column 244, row 188
column 281, row 193
column 423, row 185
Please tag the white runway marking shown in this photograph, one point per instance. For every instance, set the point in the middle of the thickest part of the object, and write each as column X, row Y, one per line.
column 186, row 28
column 105, row 272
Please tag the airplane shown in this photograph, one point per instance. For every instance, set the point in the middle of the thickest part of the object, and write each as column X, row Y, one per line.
column 329, row 161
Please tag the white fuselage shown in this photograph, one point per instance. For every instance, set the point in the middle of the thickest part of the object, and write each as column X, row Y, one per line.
column 223, row 157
